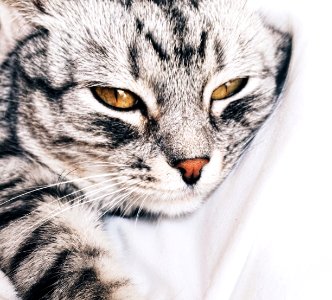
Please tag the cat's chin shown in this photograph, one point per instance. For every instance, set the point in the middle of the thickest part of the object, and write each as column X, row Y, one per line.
column 173, row 207
column 154, row 204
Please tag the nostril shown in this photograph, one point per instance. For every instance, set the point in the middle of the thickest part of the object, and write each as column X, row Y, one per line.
column 191, row 169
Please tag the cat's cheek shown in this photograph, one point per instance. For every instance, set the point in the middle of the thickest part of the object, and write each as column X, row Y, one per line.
column 212, row 172
column 169, row 179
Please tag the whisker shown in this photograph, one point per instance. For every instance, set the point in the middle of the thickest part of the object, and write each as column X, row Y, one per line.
column 42, row 221
column 118, row 200
column 49, row 217
column 88, row 193
column 140, row 209
column 55, row 184
column 131, row 204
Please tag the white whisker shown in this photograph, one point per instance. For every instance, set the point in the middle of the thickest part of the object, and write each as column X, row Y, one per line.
column 42, row 221
column 140, row 209
column 56, row 184
column 117, row 200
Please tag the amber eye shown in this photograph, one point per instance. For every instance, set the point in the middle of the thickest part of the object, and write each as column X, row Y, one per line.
column 116, row 98
column 229, row 89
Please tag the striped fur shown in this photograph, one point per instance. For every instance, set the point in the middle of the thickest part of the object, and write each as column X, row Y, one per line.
column 66, row 159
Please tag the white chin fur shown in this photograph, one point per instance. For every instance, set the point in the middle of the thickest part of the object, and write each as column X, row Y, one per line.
column 174, row 207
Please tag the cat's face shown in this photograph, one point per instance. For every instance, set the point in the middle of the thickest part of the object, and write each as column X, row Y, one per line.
column 167, row 148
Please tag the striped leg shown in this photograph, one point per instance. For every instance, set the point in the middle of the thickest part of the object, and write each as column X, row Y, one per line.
column 63, row 257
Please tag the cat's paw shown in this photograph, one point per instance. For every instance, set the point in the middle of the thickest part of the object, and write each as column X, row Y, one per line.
column 95, row 283
column 94, row 289
column 80, row 278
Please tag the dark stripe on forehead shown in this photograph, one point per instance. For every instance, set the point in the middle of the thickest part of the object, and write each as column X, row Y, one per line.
column 162, row 54
column 133, row 57
column 167, row 3
column 126, row 3
column 179, row 21
column 170, row 3
column 188, row 54
column 40, row 6
column 195, row 3
column 185, row 54
column 219, row 54
column 202, row 45
column 139, row 26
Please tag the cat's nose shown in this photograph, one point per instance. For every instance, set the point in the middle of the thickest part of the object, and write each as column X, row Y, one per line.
column 191, row 169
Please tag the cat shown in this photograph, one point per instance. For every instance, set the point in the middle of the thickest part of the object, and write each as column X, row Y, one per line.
column 130, row 107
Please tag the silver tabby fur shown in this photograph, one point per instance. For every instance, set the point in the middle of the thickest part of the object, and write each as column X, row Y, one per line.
column 66, row 159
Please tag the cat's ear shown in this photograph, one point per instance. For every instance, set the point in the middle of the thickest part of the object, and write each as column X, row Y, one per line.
column 33, row 11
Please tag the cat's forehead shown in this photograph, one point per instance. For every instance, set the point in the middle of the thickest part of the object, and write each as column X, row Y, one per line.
column 166, row 22
column 170, row 46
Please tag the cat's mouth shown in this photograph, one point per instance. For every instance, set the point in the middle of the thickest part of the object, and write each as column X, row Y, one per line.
column 166, row 203
column 159, row 189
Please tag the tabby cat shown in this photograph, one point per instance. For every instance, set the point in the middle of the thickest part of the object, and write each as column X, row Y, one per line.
column 130, row 107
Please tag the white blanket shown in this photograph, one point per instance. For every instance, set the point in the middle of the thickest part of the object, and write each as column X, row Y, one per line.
column 266, row 232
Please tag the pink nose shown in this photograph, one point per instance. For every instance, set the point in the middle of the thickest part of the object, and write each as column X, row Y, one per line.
column 191, row 169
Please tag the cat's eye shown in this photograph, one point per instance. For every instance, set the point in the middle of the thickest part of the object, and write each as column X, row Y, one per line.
column 229, row 89
column 116, row 98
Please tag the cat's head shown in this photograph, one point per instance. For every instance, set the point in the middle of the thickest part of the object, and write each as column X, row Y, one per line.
column 152, row 102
